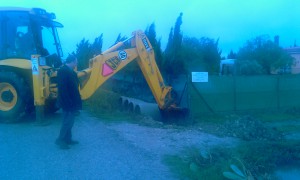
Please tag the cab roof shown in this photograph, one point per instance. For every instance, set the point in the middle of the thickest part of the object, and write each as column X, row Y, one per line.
column 16, row 9
column 34, row 11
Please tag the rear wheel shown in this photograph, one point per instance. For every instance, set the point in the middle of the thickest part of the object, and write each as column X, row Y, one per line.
column 14, row 96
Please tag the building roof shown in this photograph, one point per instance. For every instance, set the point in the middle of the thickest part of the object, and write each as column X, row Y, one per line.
column 293, row 50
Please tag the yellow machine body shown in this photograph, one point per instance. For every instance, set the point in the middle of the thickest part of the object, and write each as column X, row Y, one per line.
column 115, row 60
column 32, row 80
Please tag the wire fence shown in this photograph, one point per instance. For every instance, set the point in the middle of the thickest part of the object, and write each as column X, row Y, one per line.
column 244, row 93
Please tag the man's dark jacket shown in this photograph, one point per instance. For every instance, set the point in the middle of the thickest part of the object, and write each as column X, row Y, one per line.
column 68, row 93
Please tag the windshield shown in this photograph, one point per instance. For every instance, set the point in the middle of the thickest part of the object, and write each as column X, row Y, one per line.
column 22, row 35
column 50, row 40
column 46, row 36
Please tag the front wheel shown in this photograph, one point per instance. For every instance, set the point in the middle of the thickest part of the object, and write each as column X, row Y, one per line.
column 14, row 93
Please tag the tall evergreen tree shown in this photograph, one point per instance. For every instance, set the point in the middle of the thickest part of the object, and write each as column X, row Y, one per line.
column 173, row 64
column 97, row 45
column 156, row 44
column 151, row 34
column 201, row 53
column 168, row 50
column 85, row 51
column 177, row 38
column 159, row 55
column 120, row 38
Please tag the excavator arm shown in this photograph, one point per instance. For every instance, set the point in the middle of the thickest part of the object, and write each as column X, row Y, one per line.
column 105, row 65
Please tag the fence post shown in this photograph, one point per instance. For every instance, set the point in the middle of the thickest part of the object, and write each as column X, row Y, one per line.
column 234, row 93
column 277, row 92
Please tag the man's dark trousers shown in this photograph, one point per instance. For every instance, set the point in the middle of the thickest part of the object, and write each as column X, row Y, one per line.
column 67, row 124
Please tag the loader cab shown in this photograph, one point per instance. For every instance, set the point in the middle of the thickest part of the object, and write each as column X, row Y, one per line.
column 24, row 32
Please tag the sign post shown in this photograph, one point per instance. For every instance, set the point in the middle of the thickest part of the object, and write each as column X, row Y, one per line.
column 38, row 89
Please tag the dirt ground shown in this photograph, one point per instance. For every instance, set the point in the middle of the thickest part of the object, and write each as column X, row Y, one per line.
column 106, row 150
column 118, row 150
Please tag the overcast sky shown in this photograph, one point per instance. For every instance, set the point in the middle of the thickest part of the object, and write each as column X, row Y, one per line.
column 232, row 21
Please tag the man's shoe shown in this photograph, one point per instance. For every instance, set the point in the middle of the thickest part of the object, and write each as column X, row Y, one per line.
column 72, row 142
column 62, row 144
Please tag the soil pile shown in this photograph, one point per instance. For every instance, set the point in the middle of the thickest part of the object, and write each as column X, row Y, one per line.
column 248, row 128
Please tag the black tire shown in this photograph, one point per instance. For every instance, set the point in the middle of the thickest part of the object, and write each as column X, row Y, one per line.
column 29, row 99
column 15, row 95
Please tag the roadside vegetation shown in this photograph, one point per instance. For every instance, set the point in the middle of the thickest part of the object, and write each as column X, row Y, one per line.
column 105, row 105
column 263, row 147
column 248, row 160
column 259, row 55
column 262, row 150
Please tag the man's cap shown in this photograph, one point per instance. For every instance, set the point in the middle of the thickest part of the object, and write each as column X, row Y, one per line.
column 71, row 58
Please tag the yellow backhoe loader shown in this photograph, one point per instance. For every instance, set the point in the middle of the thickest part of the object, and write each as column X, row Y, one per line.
column 30, row 56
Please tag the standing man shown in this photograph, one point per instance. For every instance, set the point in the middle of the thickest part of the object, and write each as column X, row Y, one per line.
column 69, row 100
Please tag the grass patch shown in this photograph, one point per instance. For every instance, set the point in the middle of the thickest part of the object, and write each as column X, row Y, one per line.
column 277, row 116
column 264, row 116
column 289, row 128
column 105, row 105
column 196, row 163
column 263, row 148
column 212, row 118
column 255, row 159
column 102, row 100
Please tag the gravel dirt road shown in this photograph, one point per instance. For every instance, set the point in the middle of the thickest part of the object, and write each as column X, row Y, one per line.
column 106, row 150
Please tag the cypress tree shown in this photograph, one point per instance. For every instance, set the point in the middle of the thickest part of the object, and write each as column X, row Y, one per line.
column 156, row 44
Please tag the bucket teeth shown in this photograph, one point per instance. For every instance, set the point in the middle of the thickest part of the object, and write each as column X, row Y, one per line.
column 174, row 113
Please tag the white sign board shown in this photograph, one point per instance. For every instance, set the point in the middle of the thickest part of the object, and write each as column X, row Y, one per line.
column 199, row 76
